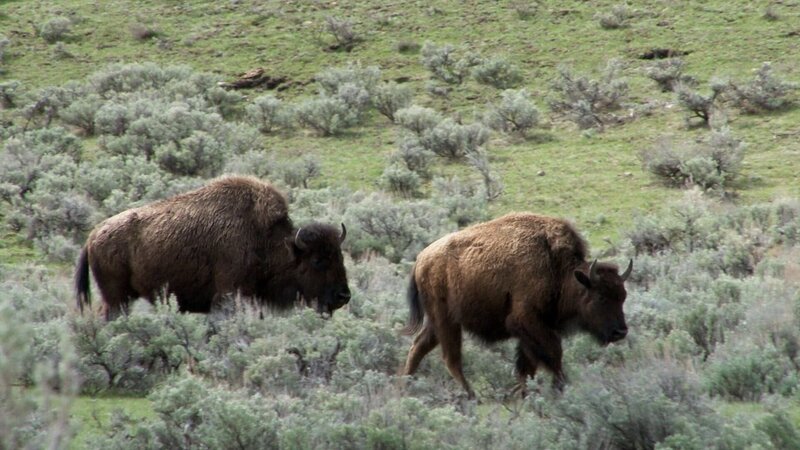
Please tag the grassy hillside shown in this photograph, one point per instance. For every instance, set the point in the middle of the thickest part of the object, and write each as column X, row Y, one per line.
column 595, row 179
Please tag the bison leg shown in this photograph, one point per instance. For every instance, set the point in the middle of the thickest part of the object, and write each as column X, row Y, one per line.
column 526, row 368
column 115, row 298
column 450, row 339
column 540, row 343
column 423, row 344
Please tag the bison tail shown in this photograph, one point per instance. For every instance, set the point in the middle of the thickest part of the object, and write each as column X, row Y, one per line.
column 82, row 280
column 415, row 311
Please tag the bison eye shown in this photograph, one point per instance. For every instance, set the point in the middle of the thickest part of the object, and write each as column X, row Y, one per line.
column 319, row 263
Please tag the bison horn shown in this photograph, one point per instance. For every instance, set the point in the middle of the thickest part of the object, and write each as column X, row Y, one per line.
column 627, row 272
column 298, row 241
column 593, row 270
column 344, row 234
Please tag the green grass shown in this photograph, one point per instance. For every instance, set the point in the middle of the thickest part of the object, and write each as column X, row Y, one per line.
column 93, row 415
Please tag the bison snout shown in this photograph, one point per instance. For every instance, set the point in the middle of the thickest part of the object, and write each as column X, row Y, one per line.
column 343, row 296
column 618, row 334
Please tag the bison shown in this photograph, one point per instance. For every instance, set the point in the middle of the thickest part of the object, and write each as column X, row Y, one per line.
column 232, row 235
column 523, row 276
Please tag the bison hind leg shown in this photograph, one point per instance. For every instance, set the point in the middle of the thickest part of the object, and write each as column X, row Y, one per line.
column 450, row 337
column 423, row 344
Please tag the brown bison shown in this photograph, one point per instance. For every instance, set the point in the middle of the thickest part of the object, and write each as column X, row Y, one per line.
column 521, row 275
column 232, row 235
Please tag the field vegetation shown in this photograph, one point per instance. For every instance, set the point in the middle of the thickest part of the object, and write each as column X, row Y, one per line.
column 667, row 131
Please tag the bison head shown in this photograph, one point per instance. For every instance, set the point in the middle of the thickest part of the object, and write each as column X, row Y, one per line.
column 321, row 276
column 601, row 304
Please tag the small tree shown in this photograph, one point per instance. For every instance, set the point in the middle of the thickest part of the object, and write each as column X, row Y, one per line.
column 698, row 105
column 493, row 187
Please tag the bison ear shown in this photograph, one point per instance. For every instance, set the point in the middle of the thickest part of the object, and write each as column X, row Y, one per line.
column 583, row 279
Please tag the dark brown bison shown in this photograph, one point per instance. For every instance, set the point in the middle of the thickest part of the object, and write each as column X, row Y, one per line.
column 522, row 276
column 232, row 235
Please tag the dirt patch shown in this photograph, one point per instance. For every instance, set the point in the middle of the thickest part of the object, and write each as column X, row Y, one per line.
column 662, row 53
column 255, row 78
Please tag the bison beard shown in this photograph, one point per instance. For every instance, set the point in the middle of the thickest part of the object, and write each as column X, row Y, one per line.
column 522, row 276
column 232, row 236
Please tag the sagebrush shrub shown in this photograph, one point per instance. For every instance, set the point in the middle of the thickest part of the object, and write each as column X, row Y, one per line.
column 26, row 157
column 4, row 44
column 9, row 94
column 299, row 172
column 82, row 113
column 515, row 113
column 746, row 372
column 46, row 104
column 414, row 156
column 668, row 74
column 710, row 165
column 417, row 119
column 224, row 102
column 616, row 18
column 454, row 141
column 391, row 97
column 342, row 31
column 142, row 32
column 331, row 80
column 497, row 72
column 40, row 420
column 268, row 113
column 356, row 99
column 327, row 116
column 55, row 29
column 636, row 408
column 464, row 202
column 588, row 102
column 252, row 162
column 766, row 92
column 446, row 63
column 199, row 154
column 400, row 180
column 397, row 230
column 112, row 118
column 60, row 51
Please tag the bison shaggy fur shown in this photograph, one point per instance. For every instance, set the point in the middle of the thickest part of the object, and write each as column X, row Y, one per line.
column 520, row 276
column 233, row 235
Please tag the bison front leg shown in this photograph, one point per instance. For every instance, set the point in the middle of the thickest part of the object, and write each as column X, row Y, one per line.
column 539, row 343
column 525, row 369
